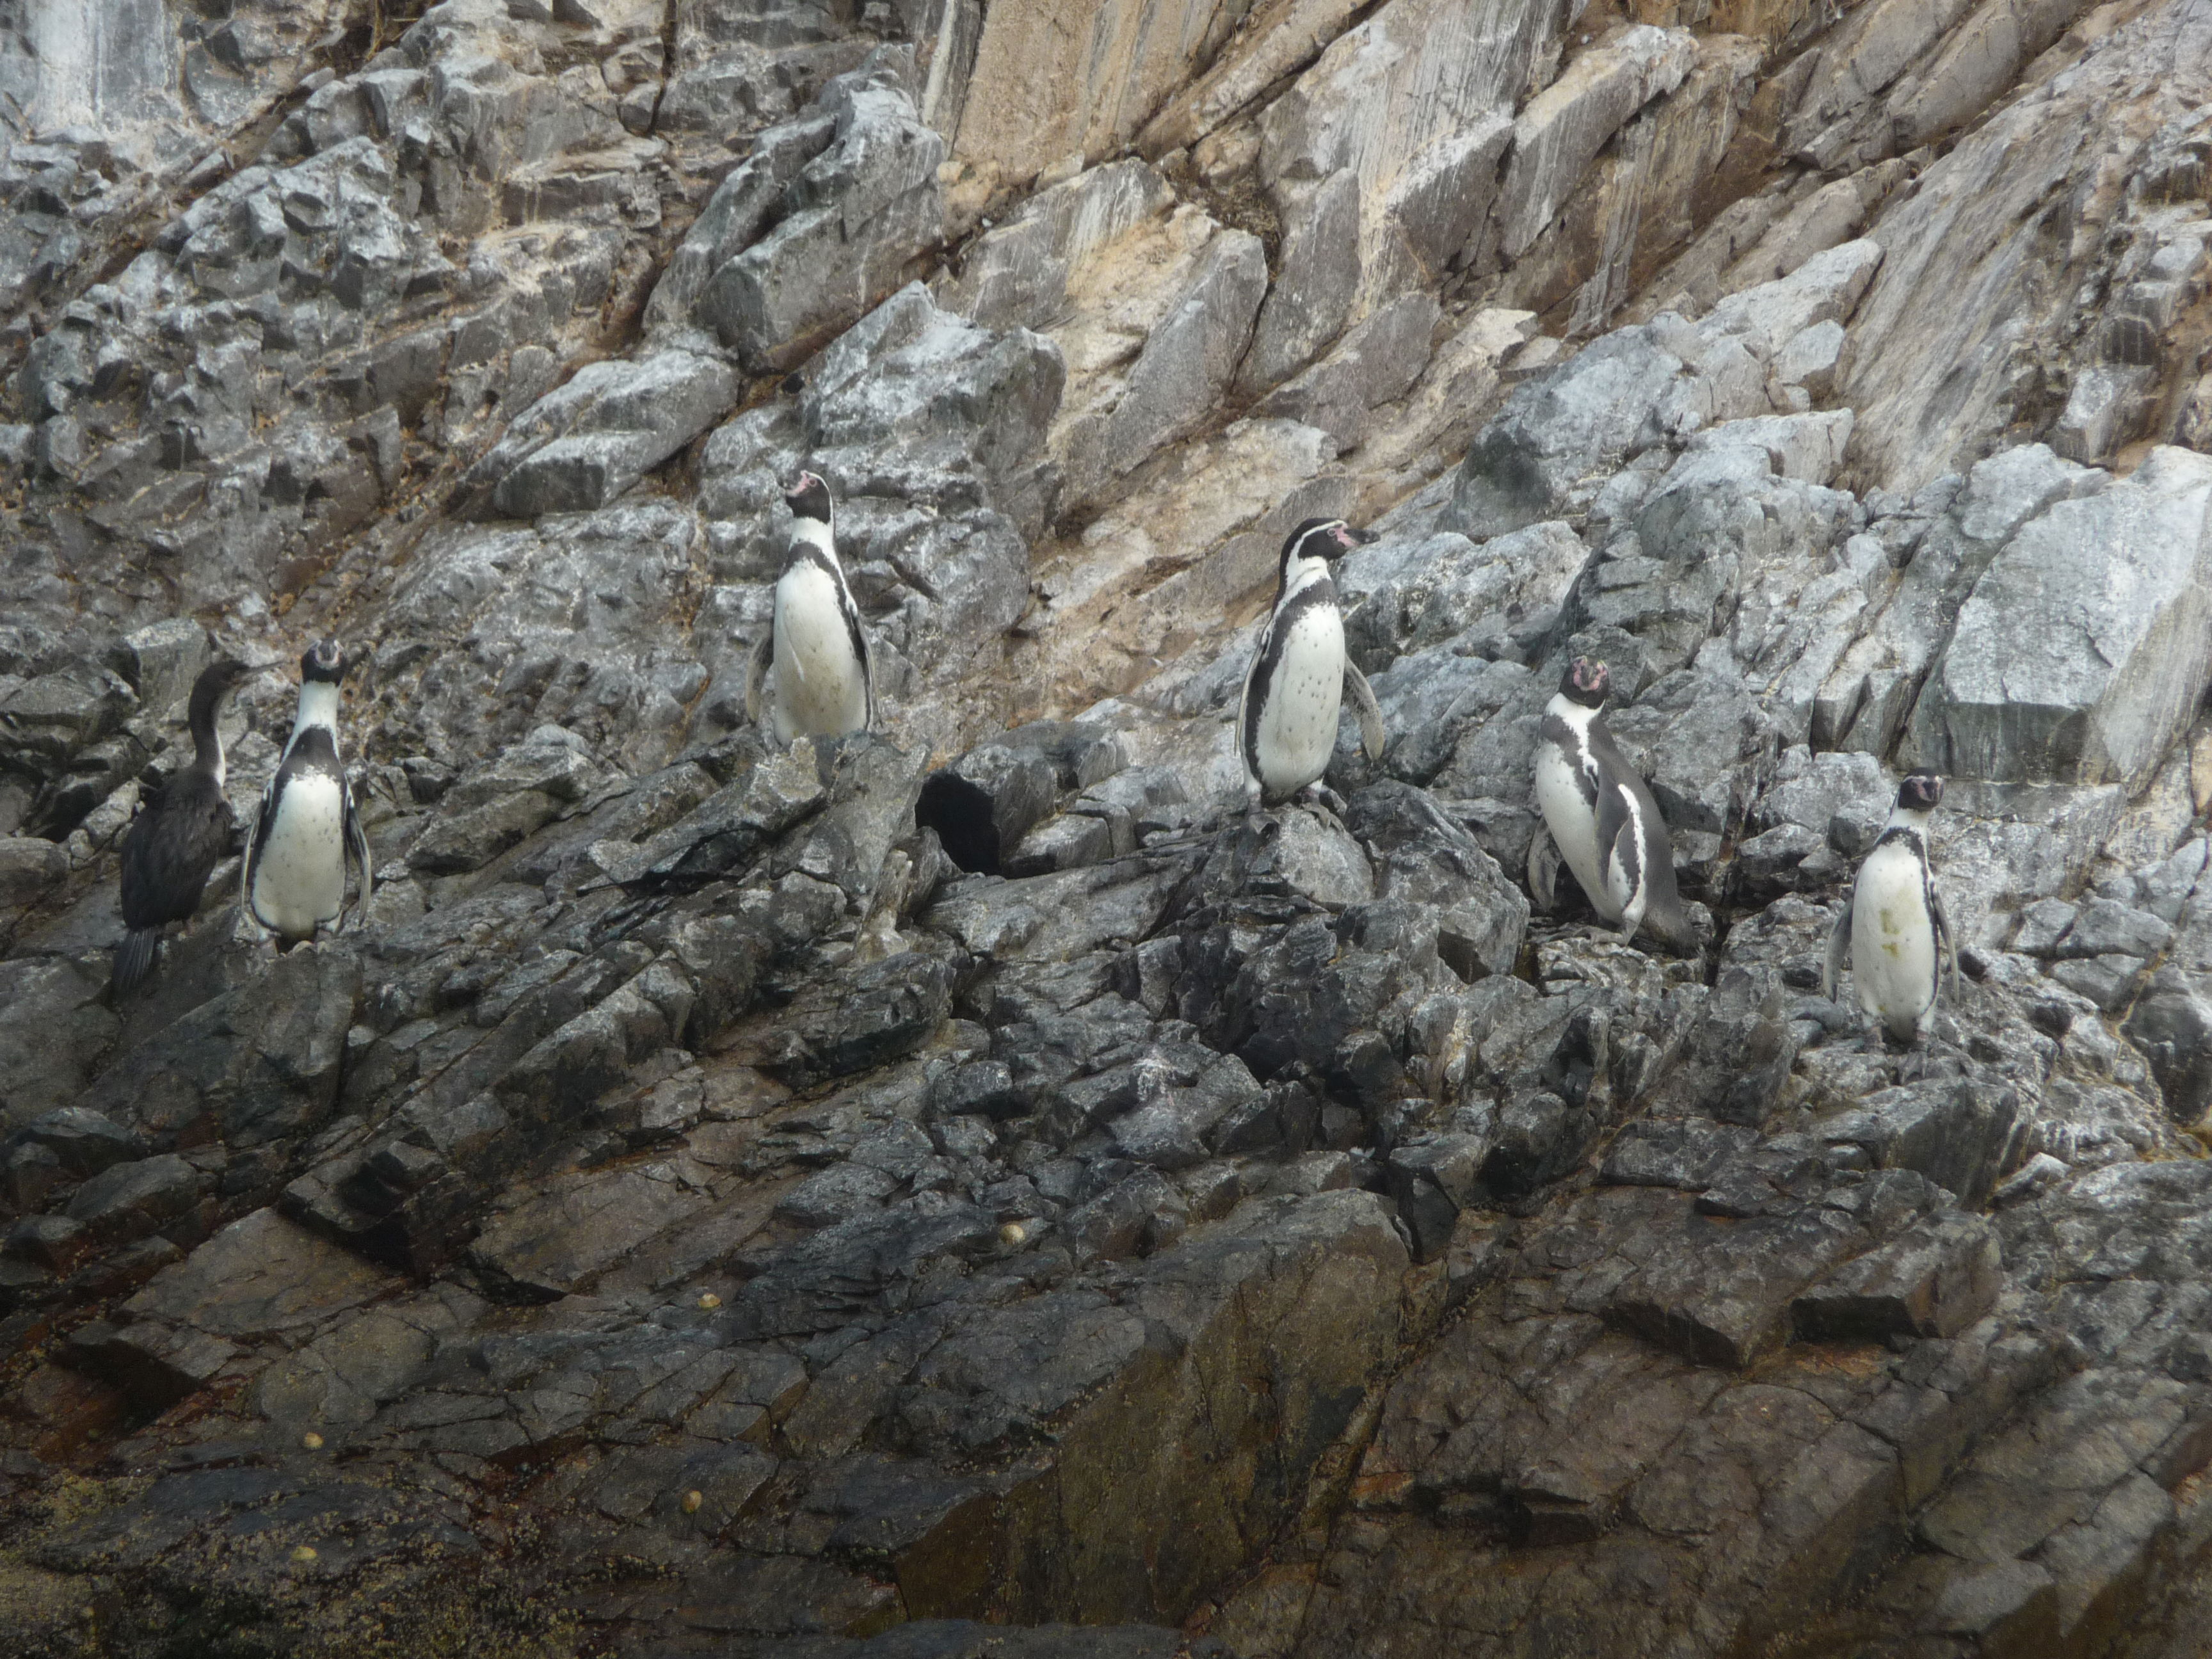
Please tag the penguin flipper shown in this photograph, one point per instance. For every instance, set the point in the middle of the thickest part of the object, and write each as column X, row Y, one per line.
column 1247, row 736
column 757, row 677
column 1839, row 945
column 256, row 834
column 357, row 846
column 1946, row 943
column 1371, row 734
column 1543, row 867
column 1620, row 856
column 867, row 677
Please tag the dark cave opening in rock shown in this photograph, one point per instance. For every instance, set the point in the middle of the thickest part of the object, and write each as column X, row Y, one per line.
column 961, row 814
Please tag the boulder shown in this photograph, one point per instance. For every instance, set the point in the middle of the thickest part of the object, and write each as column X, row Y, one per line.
column 845, row 232
column 1561, row 435
column 2086, row 645
column 1560, row 130
column 582, row 445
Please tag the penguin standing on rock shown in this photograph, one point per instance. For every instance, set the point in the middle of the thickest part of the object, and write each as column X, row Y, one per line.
column 178, row 838
column 1294, row 690
column 1602, row 817
column 1892, row 931
column 308, row 827
column 812, row 675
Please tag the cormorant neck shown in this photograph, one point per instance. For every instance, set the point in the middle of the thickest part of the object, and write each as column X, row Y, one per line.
column 318, row 706
column 207, row 741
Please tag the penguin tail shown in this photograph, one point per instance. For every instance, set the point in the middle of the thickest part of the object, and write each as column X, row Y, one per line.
column 134, row 958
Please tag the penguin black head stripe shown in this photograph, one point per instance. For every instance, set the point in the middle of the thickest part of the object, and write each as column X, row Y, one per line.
column 1586, row 684
column 809, row 497
column 323, row 663
column 1921, row 792
column 1319, row 539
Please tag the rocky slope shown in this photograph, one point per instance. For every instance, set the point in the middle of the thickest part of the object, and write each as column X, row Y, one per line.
column 970, row 1189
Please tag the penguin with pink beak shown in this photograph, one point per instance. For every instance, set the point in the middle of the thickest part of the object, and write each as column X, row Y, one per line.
column 1294, row 690
column 1602, row 818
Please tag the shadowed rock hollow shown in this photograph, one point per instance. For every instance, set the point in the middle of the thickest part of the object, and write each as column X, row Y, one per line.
column 968, row 1189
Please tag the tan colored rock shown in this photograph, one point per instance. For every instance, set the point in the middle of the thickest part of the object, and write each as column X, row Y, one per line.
column 1031, row 271
column 1560, row 132
column 1830, row 214
column 1875, row 44
column 1186, row 364
column 1640, row 200
column 1978, row 62
column 1277, row 38
column 1413, row 100
column 1186, row 559
column 1054, row 78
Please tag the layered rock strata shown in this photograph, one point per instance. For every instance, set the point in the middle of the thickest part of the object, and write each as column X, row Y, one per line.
column 970, row 1188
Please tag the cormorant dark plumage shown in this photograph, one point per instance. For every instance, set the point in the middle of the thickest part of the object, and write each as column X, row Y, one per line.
column 178, row 837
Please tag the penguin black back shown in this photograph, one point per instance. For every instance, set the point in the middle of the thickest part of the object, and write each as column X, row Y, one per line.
column 178, row 837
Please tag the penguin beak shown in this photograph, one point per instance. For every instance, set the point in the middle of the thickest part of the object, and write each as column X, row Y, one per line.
column 1348, row 538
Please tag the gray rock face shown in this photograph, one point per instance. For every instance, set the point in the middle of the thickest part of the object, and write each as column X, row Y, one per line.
column 970, row 1187
column 578, row 447
column 2060, row 669
column 1558, row 436
column 840, row 233
column 1311, row 298
column 1375, row 362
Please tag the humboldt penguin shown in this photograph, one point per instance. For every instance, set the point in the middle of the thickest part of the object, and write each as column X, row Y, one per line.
column 1602, row 817
column 180, row 835
column 812, row 675
column 1294, row 690
column 308, row 827
column 1893, row 932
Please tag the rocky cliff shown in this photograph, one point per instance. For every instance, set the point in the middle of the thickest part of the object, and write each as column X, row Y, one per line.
column 970, row 1189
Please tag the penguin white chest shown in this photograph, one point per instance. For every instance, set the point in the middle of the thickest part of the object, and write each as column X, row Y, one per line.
column 1571, row 818
column 821, row 690
column 1893, row 950
column 1296, row 733
column 299, row 878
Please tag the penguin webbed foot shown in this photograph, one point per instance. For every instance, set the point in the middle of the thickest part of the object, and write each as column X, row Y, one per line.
column 1321, row 795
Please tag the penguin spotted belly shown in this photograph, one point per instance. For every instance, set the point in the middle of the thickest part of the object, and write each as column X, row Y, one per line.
column 299, row 881
column 1297, row 724
column 820, row 691
column 1894, row 948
